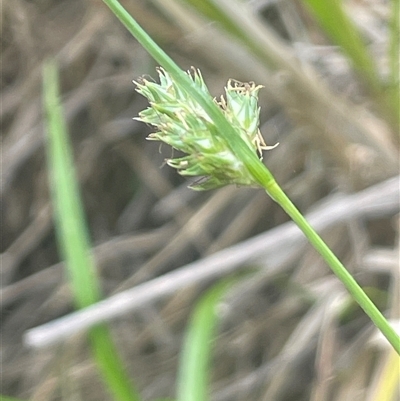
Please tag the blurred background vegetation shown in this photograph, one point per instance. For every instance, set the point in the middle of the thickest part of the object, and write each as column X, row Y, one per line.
column 330, row 100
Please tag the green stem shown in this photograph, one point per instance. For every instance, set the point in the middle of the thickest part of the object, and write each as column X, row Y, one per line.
column 259, row 171
column 336, row 266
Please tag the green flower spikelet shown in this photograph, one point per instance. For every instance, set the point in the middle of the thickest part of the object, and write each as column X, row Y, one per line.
column 183, row 124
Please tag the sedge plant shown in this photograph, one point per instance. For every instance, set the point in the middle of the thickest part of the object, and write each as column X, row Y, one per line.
column 222, row 144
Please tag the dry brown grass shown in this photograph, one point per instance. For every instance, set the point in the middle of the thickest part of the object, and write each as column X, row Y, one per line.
column 289, row 334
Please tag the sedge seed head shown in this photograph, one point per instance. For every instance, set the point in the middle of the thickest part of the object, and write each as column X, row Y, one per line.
column 183, row 124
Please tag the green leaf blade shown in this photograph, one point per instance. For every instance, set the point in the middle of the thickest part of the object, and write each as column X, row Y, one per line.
column 71, row 229
column 73, row 237
column 194, row 368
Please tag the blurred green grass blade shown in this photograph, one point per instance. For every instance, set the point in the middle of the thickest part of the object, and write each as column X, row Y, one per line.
column 194, row 367
column 71, row 230
column 73, row 237
column 6, row 398
column 110, row 364
column 336, row 24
